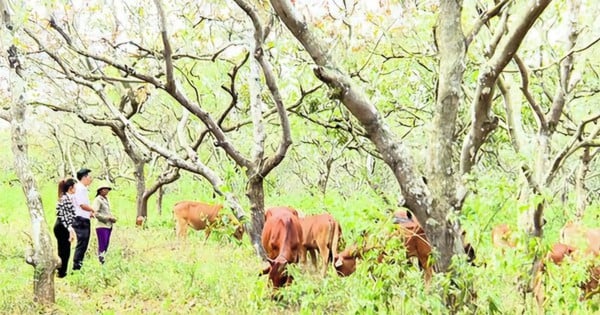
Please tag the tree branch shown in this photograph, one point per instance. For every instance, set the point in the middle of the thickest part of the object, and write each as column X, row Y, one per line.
column 484, row 18
column 484, row 121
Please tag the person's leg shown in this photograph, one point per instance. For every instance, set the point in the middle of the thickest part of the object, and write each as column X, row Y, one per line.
column 82, row 229
column 103, row 234
column 64, row 248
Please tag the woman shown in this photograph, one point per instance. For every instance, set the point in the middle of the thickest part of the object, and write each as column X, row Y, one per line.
column 63, row 228
column 105, row 220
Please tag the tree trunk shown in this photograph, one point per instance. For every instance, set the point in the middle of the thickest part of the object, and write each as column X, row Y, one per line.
column 159, row 200
column 256, row 195
column 443, row 232
column 140, row 181
column 42, row 256
column 581, row 192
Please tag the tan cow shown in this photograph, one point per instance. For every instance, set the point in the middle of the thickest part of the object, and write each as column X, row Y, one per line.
column 201, row 216
column 320, row 233
column 587, row 240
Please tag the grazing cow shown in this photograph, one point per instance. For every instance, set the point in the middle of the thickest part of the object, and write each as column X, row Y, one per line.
column 201, row 216
column 587, row 240
column 345, row 261
column 281, row 239
column 320, row 233
column 502, row 236
column 415, row 241
column 557, row 255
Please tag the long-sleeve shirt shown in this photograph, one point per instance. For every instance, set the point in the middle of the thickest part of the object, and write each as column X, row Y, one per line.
column 65, row 210
column 103, row 214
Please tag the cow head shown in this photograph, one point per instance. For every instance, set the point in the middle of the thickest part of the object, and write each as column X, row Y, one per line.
column 345, row 262
column 277, row 273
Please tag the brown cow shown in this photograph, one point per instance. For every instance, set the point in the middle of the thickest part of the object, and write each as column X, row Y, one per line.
column 201, row 216
column 415, row 241
column 320, row 233
column 281, row 239
column 587, row 240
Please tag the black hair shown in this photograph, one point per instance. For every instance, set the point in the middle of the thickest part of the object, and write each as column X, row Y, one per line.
column 64, row 186
column 83, row 173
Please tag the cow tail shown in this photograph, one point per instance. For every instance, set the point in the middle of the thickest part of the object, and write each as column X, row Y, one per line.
column 335, row 238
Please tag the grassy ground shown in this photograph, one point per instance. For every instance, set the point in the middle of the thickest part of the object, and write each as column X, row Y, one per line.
column 148, row 271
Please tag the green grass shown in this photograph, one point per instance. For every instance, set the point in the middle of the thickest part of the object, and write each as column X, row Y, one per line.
column 148, row 271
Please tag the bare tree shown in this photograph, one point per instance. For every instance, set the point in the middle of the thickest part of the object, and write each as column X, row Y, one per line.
column 42, row 254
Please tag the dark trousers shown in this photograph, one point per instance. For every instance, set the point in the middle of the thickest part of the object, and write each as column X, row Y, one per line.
column 82, row 229
column 103, row 234
column 64, row 247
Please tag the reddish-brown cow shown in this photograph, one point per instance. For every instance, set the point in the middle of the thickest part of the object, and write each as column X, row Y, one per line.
column 201, row 216
column 281, row 239
column 578, row 242
column 415, row 241
column 320, row 233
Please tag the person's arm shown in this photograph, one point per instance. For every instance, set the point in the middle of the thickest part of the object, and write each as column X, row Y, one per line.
column 102, row 217
column 61, row 213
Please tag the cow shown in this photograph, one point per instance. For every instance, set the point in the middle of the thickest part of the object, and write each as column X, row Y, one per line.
column 577, row 242
column 201, row 216
column 502, row 236
column 282, row 239
column 320, row 233
column 415, row 242
column 587, row 240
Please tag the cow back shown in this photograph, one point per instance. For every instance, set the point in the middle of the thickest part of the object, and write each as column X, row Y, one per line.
column 197, row 214
column 281, row 238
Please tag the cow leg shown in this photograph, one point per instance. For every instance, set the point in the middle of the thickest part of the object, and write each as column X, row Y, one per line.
column 207, row 232
column 313, row 257
column 181, row 228
column 325, row 257
column 302, row 255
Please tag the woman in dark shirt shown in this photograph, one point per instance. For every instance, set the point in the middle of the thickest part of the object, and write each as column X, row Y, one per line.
column 63, row 229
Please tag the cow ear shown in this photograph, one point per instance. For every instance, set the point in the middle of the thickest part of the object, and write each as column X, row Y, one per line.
column 266, row 268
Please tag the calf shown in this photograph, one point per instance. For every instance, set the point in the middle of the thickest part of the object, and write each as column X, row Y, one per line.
column 201, row 216
column 320, row 233
column 281, row 239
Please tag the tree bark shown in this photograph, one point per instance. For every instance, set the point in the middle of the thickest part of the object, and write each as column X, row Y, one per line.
column 140, row 188
column 442, row 177
column 581, row 192
column 42, row 254
column 256, row 196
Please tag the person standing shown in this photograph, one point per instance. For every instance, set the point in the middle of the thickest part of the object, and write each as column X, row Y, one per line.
column 83, row 212
column 63, row 228
column 105, row 220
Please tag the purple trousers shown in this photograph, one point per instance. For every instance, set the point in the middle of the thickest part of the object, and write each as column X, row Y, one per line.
column 103, row 240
